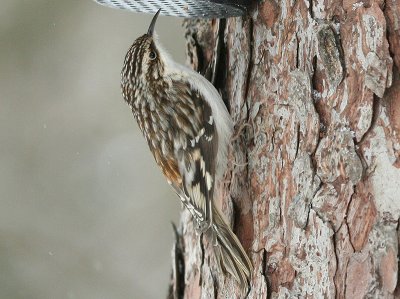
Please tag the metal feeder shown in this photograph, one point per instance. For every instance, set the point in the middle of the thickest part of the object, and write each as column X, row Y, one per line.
column 183, row 8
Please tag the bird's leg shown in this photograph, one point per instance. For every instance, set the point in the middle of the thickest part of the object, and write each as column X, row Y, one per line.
column 206, row 220
column 240, row 130
column 203, row 221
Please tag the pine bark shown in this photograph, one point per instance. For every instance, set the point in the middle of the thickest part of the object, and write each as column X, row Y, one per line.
column 313, row 182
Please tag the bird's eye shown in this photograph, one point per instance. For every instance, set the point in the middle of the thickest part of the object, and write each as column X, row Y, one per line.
column 152, row 55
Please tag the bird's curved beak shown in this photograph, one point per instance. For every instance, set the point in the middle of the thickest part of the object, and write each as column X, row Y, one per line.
column 153, row 24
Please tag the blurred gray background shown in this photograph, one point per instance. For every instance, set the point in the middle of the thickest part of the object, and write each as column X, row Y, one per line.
column 84, row 212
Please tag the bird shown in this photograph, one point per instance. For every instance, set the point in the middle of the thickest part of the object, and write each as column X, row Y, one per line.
column 188, row 130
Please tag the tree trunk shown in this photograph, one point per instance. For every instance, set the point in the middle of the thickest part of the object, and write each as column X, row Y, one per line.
column 313, row 184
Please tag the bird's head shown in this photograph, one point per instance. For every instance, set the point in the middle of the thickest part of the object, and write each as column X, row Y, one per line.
column 143, row 65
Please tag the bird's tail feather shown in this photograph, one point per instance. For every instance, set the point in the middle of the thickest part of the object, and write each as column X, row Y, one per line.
column 229, row 252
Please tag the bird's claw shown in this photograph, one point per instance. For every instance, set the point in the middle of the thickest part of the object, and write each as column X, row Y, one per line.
column 202, row 226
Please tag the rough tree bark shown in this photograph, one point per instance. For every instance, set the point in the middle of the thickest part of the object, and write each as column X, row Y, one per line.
column 313, row 184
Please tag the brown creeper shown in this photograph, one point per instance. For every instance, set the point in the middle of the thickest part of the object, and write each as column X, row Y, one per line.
column 187, row 128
